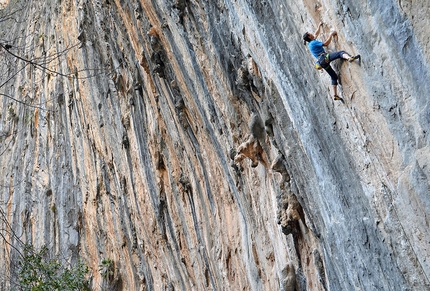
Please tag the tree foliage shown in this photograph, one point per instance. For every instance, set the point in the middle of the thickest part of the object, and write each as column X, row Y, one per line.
column 38, row 272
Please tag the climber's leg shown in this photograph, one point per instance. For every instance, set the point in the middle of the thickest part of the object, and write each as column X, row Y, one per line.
column 334, row 79
column 336, row 97
column 332, row 74
column 342, row 55
column 339, row 55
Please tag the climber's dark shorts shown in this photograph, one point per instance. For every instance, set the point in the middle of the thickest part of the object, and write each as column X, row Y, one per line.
column 326, row 64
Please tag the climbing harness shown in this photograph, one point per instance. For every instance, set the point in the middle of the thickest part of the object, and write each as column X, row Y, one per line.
column 323, row 61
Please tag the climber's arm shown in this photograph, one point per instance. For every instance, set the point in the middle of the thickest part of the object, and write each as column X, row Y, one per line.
column 328, row 41
column 317, row 32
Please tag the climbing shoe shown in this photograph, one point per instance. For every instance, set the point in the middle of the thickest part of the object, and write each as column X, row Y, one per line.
column 351, row 59
column 337, row 97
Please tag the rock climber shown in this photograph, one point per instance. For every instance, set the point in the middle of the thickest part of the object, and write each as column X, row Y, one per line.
column 324, row 58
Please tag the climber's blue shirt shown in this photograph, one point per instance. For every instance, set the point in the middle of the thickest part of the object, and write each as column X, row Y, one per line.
column 316, row 47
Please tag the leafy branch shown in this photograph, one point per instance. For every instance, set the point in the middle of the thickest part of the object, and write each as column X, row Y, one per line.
column 37, row 270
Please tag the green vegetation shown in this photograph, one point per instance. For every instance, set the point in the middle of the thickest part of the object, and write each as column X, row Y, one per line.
column 106, row 269
column 38, row 272
column 12, row 115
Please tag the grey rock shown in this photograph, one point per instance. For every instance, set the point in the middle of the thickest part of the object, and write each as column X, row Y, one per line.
column 165, row 100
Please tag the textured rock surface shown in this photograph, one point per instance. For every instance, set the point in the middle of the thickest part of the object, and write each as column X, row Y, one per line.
column 180, row 133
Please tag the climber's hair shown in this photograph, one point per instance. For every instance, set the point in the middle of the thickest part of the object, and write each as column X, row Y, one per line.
column 306, row 38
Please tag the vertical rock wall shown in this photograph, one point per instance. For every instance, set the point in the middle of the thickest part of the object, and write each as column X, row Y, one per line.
column 194, row 145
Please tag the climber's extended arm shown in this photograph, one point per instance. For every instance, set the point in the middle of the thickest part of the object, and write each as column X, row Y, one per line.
column 327, row 42
column 317, row 32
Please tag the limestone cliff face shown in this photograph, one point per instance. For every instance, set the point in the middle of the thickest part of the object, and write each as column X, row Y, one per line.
column 194, row 144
